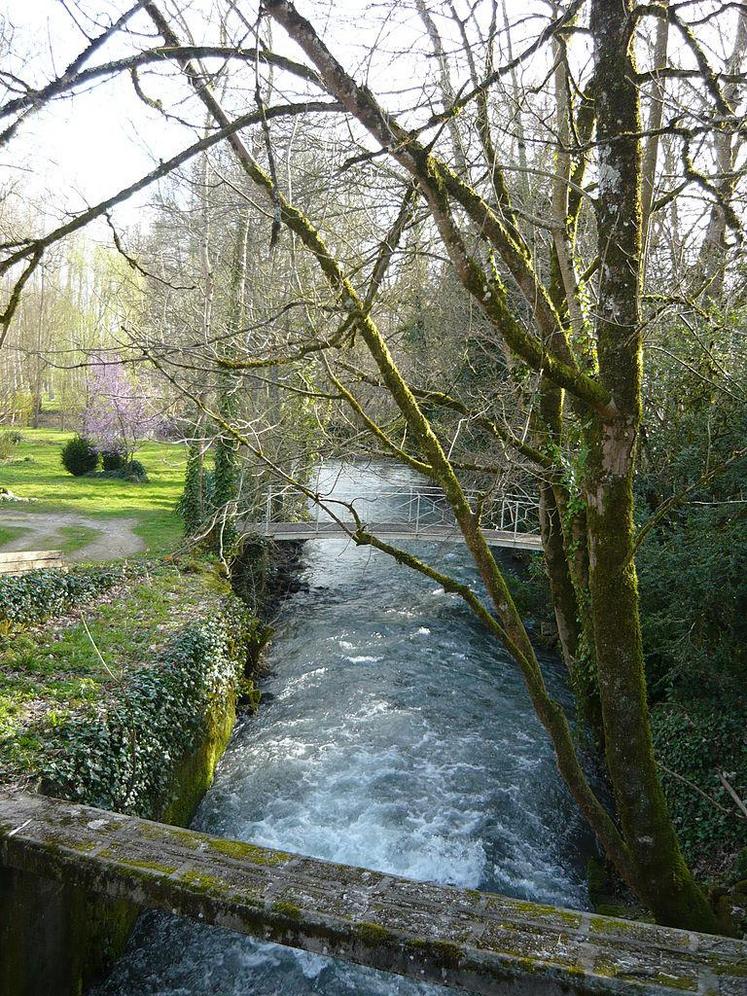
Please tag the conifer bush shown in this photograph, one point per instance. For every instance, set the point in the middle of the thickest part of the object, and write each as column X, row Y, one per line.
column 79, row 456
column 112, row 460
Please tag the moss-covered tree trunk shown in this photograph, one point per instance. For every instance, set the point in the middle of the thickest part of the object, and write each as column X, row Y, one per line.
column 661, row 875
column 191, row 503
column 226, row 490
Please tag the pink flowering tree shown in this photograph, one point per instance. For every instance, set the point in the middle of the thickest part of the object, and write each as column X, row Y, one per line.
column 119, row 414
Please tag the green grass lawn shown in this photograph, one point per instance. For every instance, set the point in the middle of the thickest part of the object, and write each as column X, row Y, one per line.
column 8, row 533
column 43, row 477
column 76, row 537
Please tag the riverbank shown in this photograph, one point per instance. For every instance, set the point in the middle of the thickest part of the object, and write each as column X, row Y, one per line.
column 133, row 517
column 119, row 687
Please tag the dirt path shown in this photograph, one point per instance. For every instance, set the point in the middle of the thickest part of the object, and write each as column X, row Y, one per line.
column 115, row 537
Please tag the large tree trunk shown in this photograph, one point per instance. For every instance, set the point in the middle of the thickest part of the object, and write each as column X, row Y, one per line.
column 662, row 877
column 226, row 448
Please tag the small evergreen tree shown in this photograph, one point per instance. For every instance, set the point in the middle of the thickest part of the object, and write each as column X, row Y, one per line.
column 190, row 505
column 79, row 456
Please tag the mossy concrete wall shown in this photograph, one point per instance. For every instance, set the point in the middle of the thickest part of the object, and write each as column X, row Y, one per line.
column 477, row 941
column 57, row 938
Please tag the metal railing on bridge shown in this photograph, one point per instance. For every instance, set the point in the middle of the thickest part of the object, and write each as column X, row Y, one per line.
column 418, row 510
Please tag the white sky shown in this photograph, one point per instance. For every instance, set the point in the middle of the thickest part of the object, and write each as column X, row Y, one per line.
column 79, row 151
column 84, row 149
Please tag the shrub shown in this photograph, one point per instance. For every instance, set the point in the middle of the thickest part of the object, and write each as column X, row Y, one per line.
column 79, row 456
column 112, row 460
column 136, row 471
column 695, row 741
column 9, row 439
column 132, row 471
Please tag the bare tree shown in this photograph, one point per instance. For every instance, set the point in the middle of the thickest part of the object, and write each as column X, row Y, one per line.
column 548, row 247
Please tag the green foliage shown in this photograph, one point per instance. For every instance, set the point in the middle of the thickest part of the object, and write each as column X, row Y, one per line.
column 530, row 590
column 112, row 460
column 21, row 406
column 79, row 456
column 38, row 595
column 692, row 567
column 9, row 440
column 121, row 758
column 136, row 471
column 52, row 672
column 698, row 740
column 692, row 582
column 226, row 472
column 190, row 505
column 225, row 484
column 132, row 471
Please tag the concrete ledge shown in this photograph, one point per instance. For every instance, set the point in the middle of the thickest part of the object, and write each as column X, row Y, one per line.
column 477, row 941
column 30, row 560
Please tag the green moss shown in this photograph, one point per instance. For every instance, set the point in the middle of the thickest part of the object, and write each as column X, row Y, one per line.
column 158, row 832
column 603, row 966
column 676, row 982
column 148, row 865
column 448, row 953
column 248, row 852
column 536, row 909
column 289, row 910
column 83, row 846
column 445, row 952
column 374, row 934
column 248, row 694
column 727, row 968
column 205, row 883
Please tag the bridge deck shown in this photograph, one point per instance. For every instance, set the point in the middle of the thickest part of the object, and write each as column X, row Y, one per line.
column 395, row 531
column 476, row 941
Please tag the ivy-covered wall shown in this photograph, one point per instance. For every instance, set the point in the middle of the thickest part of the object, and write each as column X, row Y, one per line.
column 147, row 742
column 124, row 757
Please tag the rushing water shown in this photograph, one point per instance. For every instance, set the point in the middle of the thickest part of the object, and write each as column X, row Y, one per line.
column 393, row 734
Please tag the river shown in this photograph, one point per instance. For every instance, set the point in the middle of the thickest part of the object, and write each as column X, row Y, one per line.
column 394, row 734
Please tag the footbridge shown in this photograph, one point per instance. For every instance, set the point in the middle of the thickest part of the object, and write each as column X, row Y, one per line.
column 475, row 941
column 397, row 514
